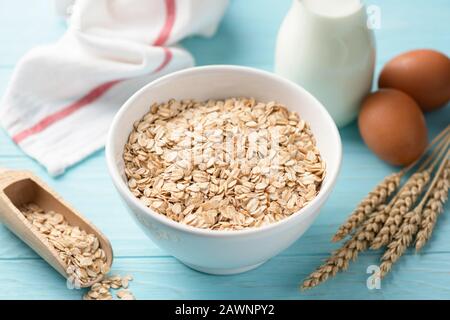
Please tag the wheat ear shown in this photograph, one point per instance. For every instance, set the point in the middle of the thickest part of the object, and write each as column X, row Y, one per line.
column 410, row 194
column 369, row 204
column 402, row 204
column 362, row 238
column 401, row 240
column 411, row 222
column 340, row 259
column 434, row 207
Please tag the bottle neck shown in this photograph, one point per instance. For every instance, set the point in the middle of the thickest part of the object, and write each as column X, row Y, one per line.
column 332, row 9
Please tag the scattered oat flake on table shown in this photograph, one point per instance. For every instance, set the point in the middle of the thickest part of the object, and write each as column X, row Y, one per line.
column 189, row 160
column 125, row 295
column 102, row 290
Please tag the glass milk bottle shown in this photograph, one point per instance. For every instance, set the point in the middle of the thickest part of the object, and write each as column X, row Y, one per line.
column 326, row 47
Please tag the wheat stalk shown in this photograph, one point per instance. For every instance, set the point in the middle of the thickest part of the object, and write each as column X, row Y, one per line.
column 364, row 236
column 383, row 191
column 412, row 220
column 369, row 222
column 402, row 204
column 369, row 204
column 434, row 207
column 410, row 194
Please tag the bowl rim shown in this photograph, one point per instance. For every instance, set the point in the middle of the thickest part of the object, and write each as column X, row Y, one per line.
column 312, row 206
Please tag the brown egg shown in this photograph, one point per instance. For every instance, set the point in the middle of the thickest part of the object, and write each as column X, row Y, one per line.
column 422, row 74
column 393, row 126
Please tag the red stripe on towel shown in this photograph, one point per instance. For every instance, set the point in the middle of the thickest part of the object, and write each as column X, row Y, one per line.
column 100, row 90
column 93, row 95
column 168, row 25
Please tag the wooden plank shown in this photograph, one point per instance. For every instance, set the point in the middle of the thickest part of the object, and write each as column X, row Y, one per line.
column 415, row 277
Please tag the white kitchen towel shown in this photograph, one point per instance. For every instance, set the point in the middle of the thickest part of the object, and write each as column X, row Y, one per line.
column 62, row 97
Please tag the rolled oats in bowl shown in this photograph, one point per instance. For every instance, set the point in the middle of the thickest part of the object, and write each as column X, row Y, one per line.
column 223, row 165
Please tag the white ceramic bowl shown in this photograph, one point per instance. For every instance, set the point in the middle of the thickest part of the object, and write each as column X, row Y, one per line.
column 224, row 252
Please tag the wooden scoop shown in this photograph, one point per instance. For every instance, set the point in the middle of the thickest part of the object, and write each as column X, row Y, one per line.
column 21, row 187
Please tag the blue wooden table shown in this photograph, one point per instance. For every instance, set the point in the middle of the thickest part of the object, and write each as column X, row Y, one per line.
column 246, row 37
